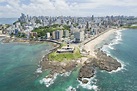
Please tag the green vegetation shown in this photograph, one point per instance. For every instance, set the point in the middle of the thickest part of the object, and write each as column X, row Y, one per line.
column 65, row 56
column 75, row 24
column 131, row 27
column 11, row 35
column 66, row 27
column 63, row 44
column 43, row 30
column 21, row 35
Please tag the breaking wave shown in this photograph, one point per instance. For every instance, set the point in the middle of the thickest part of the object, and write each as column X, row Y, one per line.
column 110, row 46
column 48, row 80
column 91, row 85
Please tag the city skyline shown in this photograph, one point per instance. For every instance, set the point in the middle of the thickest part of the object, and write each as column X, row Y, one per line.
column 13, row 8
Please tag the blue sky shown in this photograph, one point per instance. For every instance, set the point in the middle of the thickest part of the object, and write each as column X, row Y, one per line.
column 13, row 8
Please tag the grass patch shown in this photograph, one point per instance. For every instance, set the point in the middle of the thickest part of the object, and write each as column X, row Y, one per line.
column 131, row 27
column 65, row 56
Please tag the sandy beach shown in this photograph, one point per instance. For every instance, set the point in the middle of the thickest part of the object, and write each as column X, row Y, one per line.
column 90, row 46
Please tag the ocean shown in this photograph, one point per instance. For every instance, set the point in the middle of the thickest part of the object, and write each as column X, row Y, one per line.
column 7, row 20
column 19, row 63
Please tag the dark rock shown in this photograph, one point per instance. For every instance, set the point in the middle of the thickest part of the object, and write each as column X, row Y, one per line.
column 57, row 67
column 86, row 72
column 102, row 61
column 84, row 81
column 107, row 62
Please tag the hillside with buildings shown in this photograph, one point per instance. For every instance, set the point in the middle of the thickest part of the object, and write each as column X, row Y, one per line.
column 61, row 28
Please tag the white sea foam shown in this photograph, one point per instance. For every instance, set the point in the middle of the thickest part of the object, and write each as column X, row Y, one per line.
column 120, row 68
column 42, row 58
column 116, row 40
column 70, row 88
column 91, row 85
column 48, row 81
column 66, row 74
column 105, row 48
column 39, row 70
column 121, row 62
column 110, row 47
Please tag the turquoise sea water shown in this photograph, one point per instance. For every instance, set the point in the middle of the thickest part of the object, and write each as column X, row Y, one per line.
column 124, row 48
column 18, row 63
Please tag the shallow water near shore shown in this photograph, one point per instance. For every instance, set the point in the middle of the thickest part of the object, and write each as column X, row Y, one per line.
column 18, row 65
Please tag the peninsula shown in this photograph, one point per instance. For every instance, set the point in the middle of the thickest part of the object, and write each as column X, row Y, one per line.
column 75, row 40
column 88, row 59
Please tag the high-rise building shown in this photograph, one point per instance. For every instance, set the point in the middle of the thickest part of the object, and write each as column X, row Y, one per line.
column 57, row 35
column 87, row 25
column 79, row 36
column 66, row 33
column 16, row 31
column 53, row 35
column 48, row 35
column 22, row 18
column 92, row 18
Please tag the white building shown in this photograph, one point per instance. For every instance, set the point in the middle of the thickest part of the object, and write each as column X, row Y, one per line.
column 79, row 36
column 53, row 35
column 57, row 35
column 48, row 35
column 66, row 33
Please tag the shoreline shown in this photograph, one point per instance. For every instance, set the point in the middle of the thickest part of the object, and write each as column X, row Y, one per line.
column 87, row 64
column 98, row 59
column 90, row 46
column 7, row 39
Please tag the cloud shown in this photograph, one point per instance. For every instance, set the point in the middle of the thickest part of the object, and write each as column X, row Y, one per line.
column 13, row 8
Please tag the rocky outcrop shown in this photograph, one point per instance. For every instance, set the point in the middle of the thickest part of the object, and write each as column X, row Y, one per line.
column 57, row 67
column 102, row 61
column 84, row 81
column 87, row 70
column 107, row 62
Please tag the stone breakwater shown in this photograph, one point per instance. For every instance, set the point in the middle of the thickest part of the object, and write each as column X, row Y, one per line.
column 88, row 68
